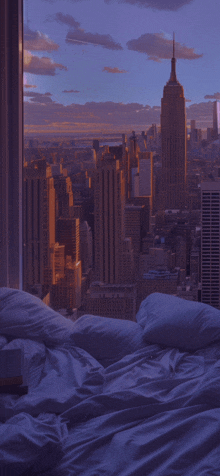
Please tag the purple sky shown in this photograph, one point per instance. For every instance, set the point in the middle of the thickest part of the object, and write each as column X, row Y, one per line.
column 96, row 65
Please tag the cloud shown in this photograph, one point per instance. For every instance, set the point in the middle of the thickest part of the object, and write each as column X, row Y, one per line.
column 38, row 97
column 70, row 91
column 171, row 5
column 158, row 47
column 80, row 37
column 90, row 113
column 67, row 19
column 202, row 113
column 113, row 70
column 212, row 96
column 101, row 115
column 45, row 66
column 53, row 1
column 37, row 41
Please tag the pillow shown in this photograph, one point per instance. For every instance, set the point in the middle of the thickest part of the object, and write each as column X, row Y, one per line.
column 174, row 322
column 107, row 339
column 25, row 316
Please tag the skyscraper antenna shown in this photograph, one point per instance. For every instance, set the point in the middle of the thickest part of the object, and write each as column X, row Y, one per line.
column 173, row 63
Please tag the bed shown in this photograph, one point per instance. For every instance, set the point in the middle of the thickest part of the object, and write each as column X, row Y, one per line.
column 109, row 397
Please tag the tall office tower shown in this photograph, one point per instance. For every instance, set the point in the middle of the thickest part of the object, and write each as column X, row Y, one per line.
column 64, row 196
column 142, row 176
column 59, row 262
column 210, row 246
column 173, row 135
column 86, row 246
column 68, row 234
column 39, row 225
column 66, row 291
column 95, row 145
column 109, row 197
column 216, row 119
column 133, row 149
column 134, row 219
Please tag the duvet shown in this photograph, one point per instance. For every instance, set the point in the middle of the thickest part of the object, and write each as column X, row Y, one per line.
column 109, row 397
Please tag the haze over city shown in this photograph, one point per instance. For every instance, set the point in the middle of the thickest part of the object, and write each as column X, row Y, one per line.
column 98, row 65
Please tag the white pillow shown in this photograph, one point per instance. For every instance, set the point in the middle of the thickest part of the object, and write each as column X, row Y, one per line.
column 23, row 315
column 107, row 339
column 174, row 322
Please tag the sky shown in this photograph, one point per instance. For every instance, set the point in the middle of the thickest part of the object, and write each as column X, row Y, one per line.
column 101, row 65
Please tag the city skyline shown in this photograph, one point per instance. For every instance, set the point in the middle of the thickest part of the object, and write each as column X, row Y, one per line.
column 91, row 66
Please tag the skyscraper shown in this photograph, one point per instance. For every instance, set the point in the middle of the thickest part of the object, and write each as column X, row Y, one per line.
column 109, row 228
column 210, row 246
column 39, row 225
column 173, row 135
column 216, row 119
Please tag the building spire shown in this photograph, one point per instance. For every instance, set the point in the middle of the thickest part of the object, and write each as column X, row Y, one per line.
column 173, row 63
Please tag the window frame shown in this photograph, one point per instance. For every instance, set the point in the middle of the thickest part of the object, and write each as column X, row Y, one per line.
column 11, row 143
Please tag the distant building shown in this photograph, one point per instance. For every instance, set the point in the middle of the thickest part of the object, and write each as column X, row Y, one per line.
column 111, row 300
column 95, row 144
column 210, row 134
column 146, row 174
column 195, row 264
column 210, row 246
column 195, row 135
column 173, row 135
column 216, row 118
column 86, row 256
column 160, row 280
column 58, row 262
column 66, row 293
column 134, row 218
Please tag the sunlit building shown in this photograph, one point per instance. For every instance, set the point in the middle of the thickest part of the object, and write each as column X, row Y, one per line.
column 39, row 226
column 66, row 293
column 68, row 234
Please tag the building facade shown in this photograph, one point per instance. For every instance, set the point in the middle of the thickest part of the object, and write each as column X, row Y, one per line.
column 38, row 226
column 109, row 200
column 210, row 243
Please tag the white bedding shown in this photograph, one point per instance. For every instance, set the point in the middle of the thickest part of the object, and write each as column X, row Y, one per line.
column 138, row 409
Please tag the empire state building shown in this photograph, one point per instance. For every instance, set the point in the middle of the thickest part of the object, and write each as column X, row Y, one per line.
column 173, row 136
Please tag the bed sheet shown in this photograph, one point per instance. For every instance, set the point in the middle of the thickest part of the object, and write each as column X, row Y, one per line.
column 154, row 411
